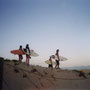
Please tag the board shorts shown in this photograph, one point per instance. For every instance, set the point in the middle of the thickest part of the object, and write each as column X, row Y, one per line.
column 50, row 65
column 20, row 56
column 27, row 56
column 57, row 62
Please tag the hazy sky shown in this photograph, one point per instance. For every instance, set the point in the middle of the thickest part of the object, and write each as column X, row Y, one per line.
column 46, row 25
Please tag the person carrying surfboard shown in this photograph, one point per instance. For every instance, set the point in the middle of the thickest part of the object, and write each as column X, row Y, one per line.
column 50, row 65
column 20, row 56
column 27, row 54
column 57, row 58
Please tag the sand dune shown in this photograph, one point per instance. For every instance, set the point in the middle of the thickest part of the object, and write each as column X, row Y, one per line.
column 19, row 76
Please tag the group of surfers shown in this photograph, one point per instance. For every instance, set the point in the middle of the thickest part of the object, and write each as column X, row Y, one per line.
column 57, row 59
column 28, row 56
column 27, row 52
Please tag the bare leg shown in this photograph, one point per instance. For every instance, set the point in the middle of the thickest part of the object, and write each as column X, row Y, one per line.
column 20, row 58
column 26, row 59
column 56, row 66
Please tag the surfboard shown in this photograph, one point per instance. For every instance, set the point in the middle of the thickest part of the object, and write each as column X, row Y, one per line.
column 33, row 53
column 48, row 62
column 61, row 58
column 18, row 52
column 21, row 52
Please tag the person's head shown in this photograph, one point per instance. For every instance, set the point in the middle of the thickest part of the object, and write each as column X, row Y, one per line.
column 27, row 45
column 57, row 50
column 50, row 58
column 20, row 47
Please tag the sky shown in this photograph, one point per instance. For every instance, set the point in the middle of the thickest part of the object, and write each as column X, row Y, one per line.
column 46, row 25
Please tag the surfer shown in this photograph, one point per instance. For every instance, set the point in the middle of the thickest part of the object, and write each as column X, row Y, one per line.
column 50, row 65
column 20, row 56
column 57, row 59
column 27, row 54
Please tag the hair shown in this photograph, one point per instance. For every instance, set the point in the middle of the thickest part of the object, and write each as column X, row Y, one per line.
column 20, row 46
column 50, row 58
column 27, row 46
column 57, row 50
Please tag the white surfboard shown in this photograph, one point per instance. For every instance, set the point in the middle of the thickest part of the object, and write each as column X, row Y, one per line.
column 61, row 58
column 33, row 53
column 48, row 62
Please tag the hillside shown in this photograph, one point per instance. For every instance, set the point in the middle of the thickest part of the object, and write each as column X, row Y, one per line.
column 20, row 76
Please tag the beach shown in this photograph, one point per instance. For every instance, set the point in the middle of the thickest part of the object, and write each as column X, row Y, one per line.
column 20, row 76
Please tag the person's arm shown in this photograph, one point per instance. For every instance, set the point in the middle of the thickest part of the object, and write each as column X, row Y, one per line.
column 51, row 61
column 29, row 50
column 58, row 57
